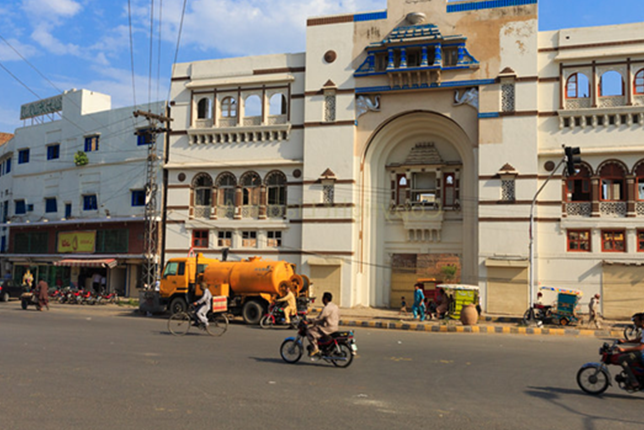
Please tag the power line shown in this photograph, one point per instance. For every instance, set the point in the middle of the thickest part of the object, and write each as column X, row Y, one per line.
column 176, row 51
column 129, row 17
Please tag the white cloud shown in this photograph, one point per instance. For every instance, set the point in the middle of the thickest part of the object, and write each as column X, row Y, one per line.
column 43, row 37
column 51, row 8
column 8, row 54
column 251, row 27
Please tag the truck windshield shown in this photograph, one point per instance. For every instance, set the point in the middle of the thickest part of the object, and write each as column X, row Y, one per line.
column 174, row 268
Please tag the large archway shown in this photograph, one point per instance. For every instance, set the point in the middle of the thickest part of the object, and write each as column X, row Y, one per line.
column 407, row 166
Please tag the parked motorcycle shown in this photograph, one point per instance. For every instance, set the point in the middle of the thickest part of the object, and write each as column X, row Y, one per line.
column 103, row 298
column 275, row 314
column 338, row 348
column 594, row 378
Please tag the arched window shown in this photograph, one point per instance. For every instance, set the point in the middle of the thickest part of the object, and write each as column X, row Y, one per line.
column 577, row 86
column 202, row 187
column 402, row 185
column 613, row 178
column 611, row 84
column 229, row 107
column 250, row 183
column 277, row 105
column 276, row 194
column 203, row 108
column 639, row 82
column 578, row 185
column 639, row 174
column 226, row 183
column 252, row 106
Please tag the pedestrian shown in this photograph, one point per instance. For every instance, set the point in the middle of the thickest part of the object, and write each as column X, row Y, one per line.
column 103, row 285
column 418, row 309
column 96, row 282
column 593, row 311
column 403, row 306
column 43, row 294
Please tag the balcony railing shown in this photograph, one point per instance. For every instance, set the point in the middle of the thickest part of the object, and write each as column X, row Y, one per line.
column 578, row 209
column 613, row 209
column 202, row 211
column 276, row 211
column 226, row 211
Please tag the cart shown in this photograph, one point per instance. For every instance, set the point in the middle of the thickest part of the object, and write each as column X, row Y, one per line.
column 460, row 295
column 564, row 310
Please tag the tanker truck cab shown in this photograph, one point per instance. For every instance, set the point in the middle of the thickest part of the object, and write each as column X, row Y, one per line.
column 178, row 276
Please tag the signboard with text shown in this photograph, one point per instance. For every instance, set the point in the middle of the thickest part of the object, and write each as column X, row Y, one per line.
column 76, row 241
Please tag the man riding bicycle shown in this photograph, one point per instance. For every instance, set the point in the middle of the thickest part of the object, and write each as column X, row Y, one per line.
column 204, row 304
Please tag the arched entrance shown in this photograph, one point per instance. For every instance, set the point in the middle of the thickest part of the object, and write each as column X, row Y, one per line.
column 418, row 192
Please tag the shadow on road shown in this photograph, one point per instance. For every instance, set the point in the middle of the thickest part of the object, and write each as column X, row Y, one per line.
column 303, row 361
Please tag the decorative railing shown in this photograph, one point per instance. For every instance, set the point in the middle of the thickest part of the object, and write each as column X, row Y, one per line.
column 227, row 122
column 277, row 119
column 202, row 212
column 250, row 211
column 638, row 100
column 276, row 211
column 252, row 120
column 578, row 209
column 227, row 211
column 615, row 209
column 639, row 208
column 611, row 101
column 203, row 123
column 580, row 103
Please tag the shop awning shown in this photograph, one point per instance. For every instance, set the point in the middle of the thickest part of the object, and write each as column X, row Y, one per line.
column 109, row 263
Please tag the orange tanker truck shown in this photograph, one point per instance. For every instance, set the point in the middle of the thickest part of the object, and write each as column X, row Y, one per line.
column 250, row 285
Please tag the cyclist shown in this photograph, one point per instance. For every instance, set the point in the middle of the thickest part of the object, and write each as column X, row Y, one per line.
column 204, row 304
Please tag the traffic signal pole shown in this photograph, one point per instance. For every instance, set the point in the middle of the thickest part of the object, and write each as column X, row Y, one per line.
column 571, row 158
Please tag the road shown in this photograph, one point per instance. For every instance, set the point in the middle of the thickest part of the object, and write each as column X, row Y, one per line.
column 84, row 368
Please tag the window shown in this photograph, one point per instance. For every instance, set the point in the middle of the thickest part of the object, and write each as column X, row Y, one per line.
column 507, row 97
column 91, row 143
column 31, row 243
column 225, row 239
column 51, row 205
column 8, row 165
column 401, row 189
column 90, row 203
column 611, row 84
column 423, row 189
column 328, row 192
column 450, row 56
column 23, row 156
column 203, row 108
column 109, row 241
column 229, row 108
column 144, row 137
column 249, row 239
column 253, row 106
column 450, row 190
column 203, row 190
column 578, row 186
column 226, row 184
column 613, row 241
column 276, row 194
column 20, row 207
column 174, row 268
column 200, row 238
column 639, row 82
column 508, row 191
column 250, row 183
column 640, row 240
column 138, row 197
column 277, row 105
column 329, row 107
column 639, row 174
column 53, row 152
column 577, row 86
column 579, row 240
column 612, row 182
column 68, row 210
column 274, row 239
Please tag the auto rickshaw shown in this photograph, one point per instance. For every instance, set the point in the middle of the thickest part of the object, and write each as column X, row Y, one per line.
column 460, row 295
column 564, row 310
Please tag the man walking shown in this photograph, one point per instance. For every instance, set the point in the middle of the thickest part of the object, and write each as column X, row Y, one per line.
column 593, row 311
column 418, row 309
column 43, row 294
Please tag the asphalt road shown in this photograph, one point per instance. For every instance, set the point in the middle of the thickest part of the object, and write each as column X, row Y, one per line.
column 81, row 368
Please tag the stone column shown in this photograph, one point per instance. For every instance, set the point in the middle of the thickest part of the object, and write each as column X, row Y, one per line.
column 213, row 204
column 238, row 202
column 262, row 201
column 631, row 193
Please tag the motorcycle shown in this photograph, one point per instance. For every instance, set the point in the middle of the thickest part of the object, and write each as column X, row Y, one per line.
column 633, row 332
column 275, row 314
column 29, row 298
column 106, row 298
column 594, row 378
column 338, row 348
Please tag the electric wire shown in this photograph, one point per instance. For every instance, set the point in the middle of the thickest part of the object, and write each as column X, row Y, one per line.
column 176, row 51
column 151, row 50
column 129, row 17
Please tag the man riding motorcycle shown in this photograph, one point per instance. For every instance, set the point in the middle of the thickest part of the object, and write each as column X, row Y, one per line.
column 291, row 306
column 632, row 355
column 325, row 324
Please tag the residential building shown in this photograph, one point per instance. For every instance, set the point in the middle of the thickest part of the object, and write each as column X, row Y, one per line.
column 409, row 143
column 76, row 201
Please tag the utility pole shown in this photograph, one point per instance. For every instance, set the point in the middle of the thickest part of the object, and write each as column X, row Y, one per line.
column 150, row 272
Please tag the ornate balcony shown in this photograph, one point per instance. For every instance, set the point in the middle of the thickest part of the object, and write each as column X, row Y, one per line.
column 579, row 209
column 612, row 209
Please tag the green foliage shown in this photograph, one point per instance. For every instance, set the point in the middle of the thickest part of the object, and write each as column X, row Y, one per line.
column 80, row 158
column 449, row 271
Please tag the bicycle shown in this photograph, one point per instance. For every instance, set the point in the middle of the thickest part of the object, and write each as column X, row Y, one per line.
column 179, row 324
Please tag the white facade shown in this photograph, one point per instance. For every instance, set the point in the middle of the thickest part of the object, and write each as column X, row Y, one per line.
column 51, row 192
column 412, row 144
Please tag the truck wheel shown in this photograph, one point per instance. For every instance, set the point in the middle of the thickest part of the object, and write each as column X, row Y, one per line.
column 177, row 305
column 252, row 312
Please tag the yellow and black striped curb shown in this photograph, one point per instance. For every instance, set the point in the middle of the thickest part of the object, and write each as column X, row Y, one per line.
column 490, row 329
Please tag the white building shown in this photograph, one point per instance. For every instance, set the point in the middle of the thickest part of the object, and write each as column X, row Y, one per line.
column 409, row 143
column 76, row 198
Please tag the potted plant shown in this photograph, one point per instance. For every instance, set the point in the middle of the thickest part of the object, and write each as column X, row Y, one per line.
column 80, row 158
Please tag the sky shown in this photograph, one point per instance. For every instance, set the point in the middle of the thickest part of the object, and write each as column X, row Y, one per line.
column 48, row 46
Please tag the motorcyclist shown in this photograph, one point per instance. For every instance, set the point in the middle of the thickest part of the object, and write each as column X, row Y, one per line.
column 204, row 304
column 632, row 355
column 291, row 307
column 325, row 324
